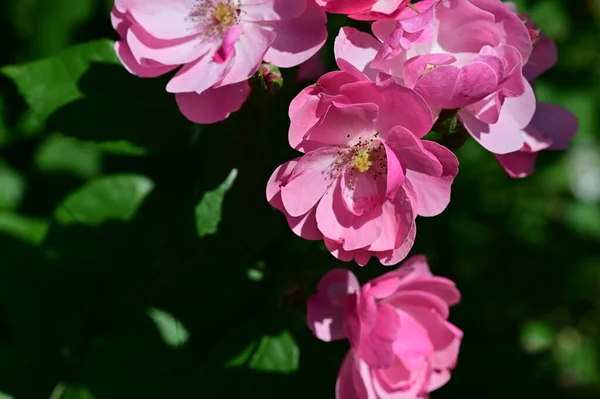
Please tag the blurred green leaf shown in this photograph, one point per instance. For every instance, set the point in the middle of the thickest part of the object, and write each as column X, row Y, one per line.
column 536, row 336
column 5, row 396
column 11, row 187
column 48, row 84
column 66, row 154
column 208, row 210
column 122, row 147
column 32, row 230
column 105, row 198
column 276, row 354
column 75, row 392
column 171, row 330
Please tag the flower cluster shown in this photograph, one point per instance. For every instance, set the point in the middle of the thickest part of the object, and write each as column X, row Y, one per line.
column 365, row 169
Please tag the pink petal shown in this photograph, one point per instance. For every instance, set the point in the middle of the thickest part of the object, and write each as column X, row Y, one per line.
column 344, row 385
column 412, row 344
column 344, row 123
column 395, row 173
column 168, row 52
column 440, row 286
column 337, row 223
column 338, row 284
column 396, row 223
column 449, row 87
column 297, row 39
column 517, row 164
column 309, row 180
column 213, row 105
column 415, row 67
column 198, row 76
column 430, row 194
column 375, row 347
column 130, row 63
column 347, row 7
column 307, row 108
column 162, row 19
column 356, row 49
column 359, row 192
column 415, row 116
column 226, row 50
column 422, row 299
column 411, row 152
column 500, row 138
column 556, row 123
column 271, row 10
column 250, row 49
column 325, row 320
column 305, row 226
column 396, row 255
column 278, row 179
column 325, row 310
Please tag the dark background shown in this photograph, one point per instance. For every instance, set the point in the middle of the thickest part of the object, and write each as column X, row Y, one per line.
column 117, row 281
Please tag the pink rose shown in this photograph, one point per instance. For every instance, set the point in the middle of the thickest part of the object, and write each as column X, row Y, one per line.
column 365, row 174
column 466, row 55
column 402, row 345
column 218, row 44
column 366, row 10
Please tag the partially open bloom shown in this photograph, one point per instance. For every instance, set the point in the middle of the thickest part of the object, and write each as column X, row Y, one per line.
column 366, row 10
column 402, row 345
column 366, row 174
column 466, row 55
column 218, row 44
column 550, row 127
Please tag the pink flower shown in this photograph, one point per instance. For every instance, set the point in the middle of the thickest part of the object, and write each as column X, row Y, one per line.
column 549, row 127
column 466, row 55
column 402, row 345
column 218, row 44
column 366, row 10
column 365, row 174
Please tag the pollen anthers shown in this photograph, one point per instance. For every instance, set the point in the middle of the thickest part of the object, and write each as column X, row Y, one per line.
column 215, row 17
column 365, row 156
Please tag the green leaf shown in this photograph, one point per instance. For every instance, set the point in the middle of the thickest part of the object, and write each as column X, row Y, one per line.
column 122, row 147
column 171, row 330
column 5, row 396
column 276, row 354
column 48, row 84
column 208, row 210
column 28, row 229
column 114, row 197
column 66, row 154
column 12, row 185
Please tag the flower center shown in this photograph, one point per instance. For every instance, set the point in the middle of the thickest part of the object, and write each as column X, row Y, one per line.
column 224, row 14
column 214, row 18
column 362, row 160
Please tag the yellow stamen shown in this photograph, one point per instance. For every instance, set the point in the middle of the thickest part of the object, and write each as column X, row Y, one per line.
column 223, row 14
column 362, row 160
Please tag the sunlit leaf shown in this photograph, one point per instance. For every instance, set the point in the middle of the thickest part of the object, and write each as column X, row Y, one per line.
column 276, row 354
column 68, row 155
column 48, row 84
column 107, row 198
column 171, row 330
column 32, row 230
column 208, row 210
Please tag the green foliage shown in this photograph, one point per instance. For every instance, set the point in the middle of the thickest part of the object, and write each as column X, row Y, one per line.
column 106, row 198
column 208, row 210
column 48, row 84
column 140, row 258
